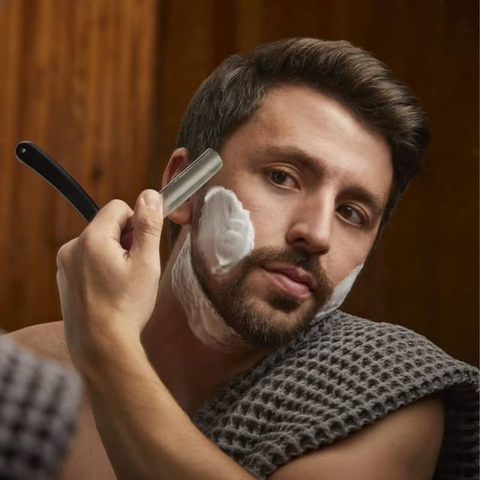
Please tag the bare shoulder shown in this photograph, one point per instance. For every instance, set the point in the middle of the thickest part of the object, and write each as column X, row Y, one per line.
column 86, row 458
column 47, row 340
column 404, row 445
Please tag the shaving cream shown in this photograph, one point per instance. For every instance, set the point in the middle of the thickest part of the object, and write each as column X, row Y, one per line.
column 204, row 321
column 226, row 233
column 339, row 293
column 226, row 236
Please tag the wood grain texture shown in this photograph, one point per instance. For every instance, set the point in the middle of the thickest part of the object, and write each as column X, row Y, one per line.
column 77, row 79
column 102, row 85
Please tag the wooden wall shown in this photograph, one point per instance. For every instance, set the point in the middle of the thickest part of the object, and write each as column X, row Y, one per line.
column 101, row 85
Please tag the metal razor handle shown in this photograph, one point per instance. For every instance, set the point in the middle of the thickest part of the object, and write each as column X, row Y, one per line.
column 186, row 183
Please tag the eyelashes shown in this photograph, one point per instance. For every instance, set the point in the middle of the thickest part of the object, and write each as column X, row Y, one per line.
column 280, row 177
column 351, row 214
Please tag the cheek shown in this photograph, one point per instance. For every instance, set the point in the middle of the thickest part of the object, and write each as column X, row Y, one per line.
column 344, row 256
column 270, row 226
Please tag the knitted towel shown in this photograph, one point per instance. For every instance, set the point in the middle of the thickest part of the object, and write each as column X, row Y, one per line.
column 38, row 408
column 341, row 375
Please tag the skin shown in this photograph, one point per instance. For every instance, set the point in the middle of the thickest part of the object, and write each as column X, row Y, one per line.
column 109, row 295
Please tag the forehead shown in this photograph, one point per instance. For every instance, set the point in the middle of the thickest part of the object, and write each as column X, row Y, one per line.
column 297, row 118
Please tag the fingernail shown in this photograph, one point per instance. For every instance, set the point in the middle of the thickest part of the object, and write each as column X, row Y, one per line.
column 151, row 199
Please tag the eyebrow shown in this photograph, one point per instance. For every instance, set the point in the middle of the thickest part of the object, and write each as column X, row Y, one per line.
column 372, row 200
column 298, row 155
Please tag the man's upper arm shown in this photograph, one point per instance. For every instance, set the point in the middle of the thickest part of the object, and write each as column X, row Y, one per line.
column 403, row 446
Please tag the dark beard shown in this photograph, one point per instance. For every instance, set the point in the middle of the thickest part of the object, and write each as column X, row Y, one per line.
column 229, row 295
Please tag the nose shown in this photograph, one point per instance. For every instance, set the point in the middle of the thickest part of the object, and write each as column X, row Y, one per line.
column 312, row 226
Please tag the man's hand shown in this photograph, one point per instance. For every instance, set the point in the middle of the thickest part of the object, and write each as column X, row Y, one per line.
column 106, row 290
column 108, row 294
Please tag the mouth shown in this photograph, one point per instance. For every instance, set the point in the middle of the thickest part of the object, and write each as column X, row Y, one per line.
column 291, row 280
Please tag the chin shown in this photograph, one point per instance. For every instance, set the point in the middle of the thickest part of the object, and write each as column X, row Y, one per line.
column 261, row 324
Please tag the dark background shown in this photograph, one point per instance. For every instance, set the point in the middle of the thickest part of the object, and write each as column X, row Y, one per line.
column 101, row 85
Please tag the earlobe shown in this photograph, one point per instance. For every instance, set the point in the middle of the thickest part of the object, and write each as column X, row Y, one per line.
column 177, row 163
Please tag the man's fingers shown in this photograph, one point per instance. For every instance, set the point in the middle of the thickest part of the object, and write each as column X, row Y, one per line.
column 147, row 224
column 65, row 252
column 111, row 220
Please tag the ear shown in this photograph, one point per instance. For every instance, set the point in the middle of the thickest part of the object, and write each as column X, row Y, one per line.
column 179, row 160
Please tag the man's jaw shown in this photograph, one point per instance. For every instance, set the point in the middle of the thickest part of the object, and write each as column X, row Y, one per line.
column 276, row 294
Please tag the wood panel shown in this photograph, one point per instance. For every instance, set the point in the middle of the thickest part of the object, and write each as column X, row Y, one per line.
column 76, row 79
column 102, row 85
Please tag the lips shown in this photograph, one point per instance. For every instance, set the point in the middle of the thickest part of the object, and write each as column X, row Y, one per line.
column 296, row 274
column 292, row 280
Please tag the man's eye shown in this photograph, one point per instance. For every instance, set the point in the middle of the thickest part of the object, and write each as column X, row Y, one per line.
column 282, row 178
column 351, row 215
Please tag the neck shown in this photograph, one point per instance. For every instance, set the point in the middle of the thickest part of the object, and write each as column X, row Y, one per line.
column 191, row 370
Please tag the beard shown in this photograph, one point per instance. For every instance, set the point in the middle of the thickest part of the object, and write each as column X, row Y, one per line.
column 272, row 318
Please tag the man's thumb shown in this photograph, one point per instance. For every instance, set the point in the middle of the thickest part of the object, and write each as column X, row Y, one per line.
column 147, row 223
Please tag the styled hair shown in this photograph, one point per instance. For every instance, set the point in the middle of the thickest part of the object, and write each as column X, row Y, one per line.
column 235, row 90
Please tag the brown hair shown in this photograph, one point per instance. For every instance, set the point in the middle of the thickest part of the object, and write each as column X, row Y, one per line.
column 236, row 89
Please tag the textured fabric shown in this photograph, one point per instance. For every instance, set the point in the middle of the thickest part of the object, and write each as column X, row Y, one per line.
column 38, row 408
column 341, row 375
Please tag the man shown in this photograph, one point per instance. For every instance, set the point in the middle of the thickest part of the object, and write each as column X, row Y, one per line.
column 236, row 363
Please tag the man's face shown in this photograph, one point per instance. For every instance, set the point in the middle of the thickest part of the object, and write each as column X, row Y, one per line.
column 315, row 180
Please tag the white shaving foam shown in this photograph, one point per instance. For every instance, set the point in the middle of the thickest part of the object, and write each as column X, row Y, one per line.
column 226, row 233
column 226, row 236
column 203, row 319
column 339, row 294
